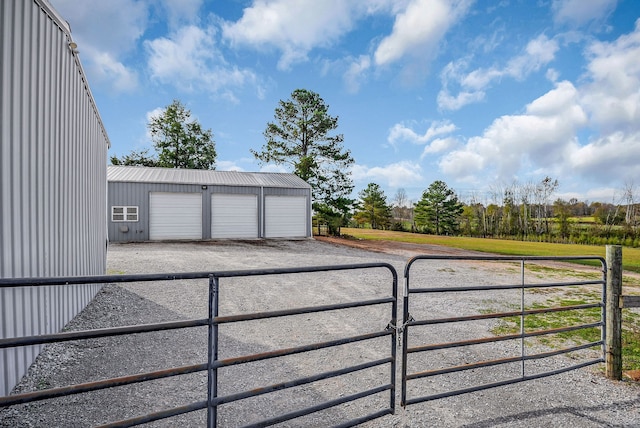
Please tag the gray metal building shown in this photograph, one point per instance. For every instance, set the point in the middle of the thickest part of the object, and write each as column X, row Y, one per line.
column 146, row 204
column 53, row 156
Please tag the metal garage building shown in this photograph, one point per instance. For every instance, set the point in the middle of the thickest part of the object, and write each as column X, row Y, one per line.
column 53, row 156
column 147, row 204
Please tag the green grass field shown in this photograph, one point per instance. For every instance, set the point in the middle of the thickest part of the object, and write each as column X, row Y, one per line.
column 631, row 262
column 630, row 256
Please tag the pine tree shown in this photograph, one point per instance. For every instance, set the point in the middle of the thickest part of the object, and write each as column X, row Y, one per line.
column 439, row 209
column 372, row 208
column 301, row 137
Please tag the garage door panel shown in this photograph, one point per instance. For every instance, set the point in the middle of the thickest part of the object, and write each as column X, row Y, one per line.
column 285, row 216
column 234, row 216
column 175, row 215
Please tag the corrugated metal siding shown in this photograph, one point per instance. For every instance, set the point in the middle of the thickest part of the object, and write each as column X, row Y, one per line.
column 137, row 194
column 53, row 155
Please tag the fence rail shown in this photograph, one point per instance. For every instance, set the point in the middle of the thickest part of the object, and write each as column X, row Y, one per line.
column 409, row 323
column 213, row 401
column 610, row 303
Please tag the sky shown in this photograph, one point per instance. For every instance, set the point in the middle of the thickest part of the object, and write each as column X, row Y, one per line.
column 479, row 94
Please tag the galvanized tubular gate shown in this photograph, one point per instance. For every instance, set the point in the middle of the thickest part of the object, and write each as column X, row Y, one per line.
column 213, row 401
column 409, row 323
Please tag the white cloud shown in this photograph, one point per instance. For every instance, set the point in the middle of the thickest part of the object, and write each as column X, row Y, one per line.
column 613, row 94
column 480, row 79
column 102, row 49
column 472, row 86
column 94, row 22
column 294, row 28
column 356, row 73
column 273, row 168
column 157, row 112
column 182, row 57
column 448, row 102
column 439, row 145
column 604, row 194
column 580, row 12
column 190, row 60
column 182, row 12
column 558, row 101
column 400, row 132
column 464, row 164
column 611, row 97
column 611, row 158
column 538, row 52
column 107, row 68
column 394, row 175
column 228, row 166
column 553, row 75
column 418, row 29
column 604, row 111
column 545, row 133
column 488, row 44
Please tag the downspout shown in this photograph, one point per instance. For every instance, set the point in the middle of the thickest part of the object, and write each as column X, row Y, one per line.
column 261, row 219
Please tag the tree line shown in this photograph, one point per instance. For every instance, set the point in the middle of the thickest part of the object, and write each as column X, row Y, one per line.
column 302, row 137
column 519, row 211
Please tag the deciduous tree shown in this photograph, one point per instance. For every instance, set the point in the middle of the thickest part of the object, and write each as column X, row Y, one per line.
column 135, row 158
column 179, row 142
column 402, row 207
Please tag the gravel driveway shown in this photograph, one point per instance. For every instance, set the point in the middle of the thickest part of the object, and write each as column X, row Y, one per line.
column 581, row 398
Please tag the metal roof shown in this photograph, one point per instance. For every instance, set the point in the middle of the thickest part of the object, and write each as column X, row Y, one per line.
column 140, row 174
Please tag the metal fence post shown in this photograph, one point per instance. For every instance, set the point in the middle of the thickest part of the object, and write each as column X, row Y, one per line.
column 613, row 328
column 212, row 343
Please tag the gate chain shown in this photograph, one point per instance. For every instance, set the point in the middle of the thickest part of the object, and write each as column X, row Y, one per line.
column 399, row 329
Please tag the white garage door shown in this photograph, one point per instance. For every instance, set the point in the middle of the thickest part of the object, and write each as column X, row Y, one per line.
column 175, row 215
column 234, row 216
column 285, row 216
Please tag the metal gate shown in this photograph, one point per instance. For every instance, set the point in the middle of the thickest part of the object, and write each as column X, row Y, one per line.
column 421, row 363
column 435, row 358
column 214, row 401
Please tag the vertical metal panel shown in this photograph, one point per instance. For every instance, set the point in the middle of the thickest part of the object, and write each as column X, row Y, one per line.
column 137, row 194
column 53, row 155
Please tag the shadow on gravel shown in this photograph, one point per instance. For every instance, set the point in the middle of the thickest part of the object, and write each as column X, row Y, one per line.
column 581, row 413
column 63, row 364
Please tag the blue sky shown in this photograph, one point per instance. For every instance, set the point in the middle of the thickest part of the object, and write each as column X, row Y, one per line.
column 478, row 94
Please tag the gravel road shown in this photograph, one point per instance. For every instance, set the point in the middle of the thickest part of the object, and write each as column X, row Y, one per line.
column 579, row 398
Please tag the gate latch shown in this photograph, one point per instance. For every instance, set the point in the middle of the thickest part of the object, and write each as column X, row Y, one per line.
column 400, row 328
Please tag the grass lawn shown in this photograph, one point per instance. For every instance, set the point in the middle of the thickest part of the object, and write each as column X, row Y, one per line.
column 630, row 256
column 630, row 260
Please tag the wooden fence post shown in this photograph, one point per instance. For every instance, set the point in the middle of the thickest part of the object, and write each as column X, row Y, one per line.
column 613, row 328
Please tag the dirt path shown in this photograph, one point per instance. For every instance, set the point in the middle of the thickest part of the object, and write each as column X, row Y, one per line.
column 408, row 250
column 399, row 248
